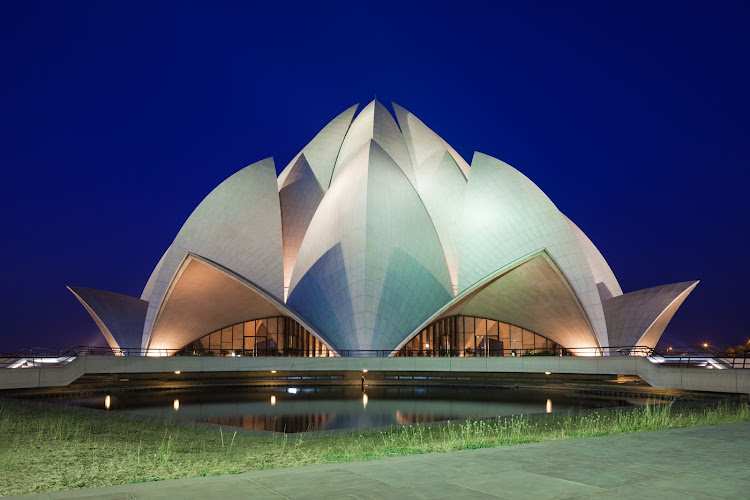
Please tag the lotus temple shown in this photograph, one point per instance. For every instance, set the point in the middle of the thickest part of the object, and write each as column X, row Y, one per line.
column 379, row 239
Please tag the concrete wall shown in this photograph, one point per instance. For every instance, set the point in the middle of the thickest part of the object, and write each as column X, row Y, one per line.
column 697, row 379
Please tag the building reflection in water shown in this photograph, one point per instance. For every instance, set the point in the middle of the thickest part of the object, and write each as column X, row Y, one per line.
column 288, row 424
column 303, row 408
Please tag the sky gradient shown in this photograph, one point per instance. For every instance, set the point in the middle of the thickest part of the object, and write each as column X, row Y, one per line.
column 117, row 118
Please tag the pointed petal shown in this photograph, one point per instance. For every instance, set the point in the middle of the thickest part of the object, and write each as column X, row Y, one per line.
column 374, row 122
column 370, row 268
column 506, row 217
column 238, row 226
column 640, row 317
column 119, row 317
column 606, row 282
column 322, row 151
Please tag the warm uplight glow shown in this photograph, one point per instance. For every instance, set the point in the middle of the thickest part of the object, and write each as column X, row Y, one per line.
column 705, row 344
column 176, row 404
column 591, row 351
column 364, row 371
column 233, row 354
column 273, row 371
column 364, row 400
column 107, row 401
column 669, row 349
column 177, row 372
column 427, row 346
column 548, row 373
column 549, row 406
column 273, row 400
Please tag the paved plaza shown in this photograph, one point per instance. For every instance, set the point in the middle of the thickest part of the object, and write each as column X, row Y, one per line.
column 699, row 462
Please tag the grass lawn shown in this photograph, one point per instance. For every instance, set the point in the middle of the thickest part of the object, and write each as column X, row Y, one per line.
column 49, row 448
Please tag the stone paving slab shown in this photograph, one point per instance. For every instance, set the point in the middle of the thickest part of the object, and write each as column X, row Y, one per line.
column 698, row 463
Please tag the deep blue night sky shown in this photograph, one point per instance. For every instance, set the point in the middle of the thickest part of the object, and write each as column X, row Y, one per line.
column 117, row 118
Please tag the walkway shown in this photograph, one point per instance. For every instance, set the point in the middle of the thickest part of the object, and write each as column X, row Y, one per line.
column 700, row 462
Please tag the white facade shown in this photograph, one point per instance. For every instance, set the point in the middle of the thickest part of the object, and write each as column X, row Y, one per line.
column 375, row 230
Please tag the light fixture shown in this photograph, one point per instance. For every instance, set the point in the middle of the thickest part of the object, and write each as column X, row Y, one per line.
column 107, row 401
column 548, row 373
column 549, row 406
column 176, row 404
column 364, row 370
column 273, row 400
column 177, row 372
column 292, row 390
column 365, row 399
column 273, row 371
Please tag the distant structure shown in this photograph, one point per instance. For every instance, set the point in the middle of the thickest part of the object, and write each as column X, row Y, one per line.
column 379, row 239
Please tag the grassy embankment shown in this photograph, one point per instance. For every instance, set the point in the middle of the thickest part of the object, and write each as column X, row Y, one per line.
column 47, row 448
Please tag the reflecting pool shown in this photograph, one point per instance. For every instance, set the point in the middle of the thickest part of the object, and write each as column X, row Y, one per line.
column 300, row 409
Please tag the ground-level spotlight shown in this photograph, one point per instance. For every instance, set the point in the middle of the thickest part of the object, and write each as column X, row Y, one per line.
column 364, row 370
column 176, row 404
column 365, row 399
column 548, row 373
column 107, row 401
column 273, row 371
column 177, row 372
column 273, row 400
column 549, row 406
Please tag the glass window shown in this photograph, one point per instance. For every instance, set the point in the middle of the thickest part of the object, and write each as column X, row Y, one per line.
column 480, row 326
column 261, row 328
column 215, row 340
column 469, row 325
column 504, row 332
column 249, row 343
column 516, row 338
column 492, row 328
column 528, row 340
column 226, row 335
column 250, row 328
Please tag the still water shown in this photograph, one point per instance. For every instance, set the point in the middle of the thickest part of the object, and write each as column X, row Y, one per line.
column 292, row 409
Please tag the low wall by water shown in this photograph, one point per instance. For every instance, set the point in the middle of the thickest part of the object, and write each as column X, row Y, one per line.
column 663, row 377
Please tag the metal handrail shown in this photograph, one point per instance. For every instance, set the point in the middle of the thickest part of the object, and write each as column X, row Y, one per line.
column 686, row 356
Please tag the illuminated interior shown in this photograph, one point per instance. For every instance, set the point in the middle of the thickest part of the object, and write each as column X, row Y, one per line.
column 471, row 336
column 274, row 336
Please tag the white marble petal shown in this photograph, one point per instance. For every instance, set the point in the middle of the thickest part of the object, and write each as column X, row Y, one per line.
column 440, row 183
column 506, row 217
column 370, row 268
column 374, row 122
column 322, row 151
column 640, row 317
column 606, row 282
column 238, row 226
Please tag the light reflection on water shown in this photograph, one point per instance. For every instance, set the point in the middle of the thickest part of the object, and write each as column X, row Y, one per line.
column 292, row 409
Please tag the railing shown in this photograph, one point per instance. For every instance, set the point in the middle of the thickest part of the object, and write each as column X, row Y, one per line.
column 552, row 351
column 700, row 357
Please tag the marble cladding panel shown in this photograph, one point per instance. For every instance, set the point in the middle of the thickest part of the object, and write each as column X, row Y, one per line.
column 238, row 225
column 505, row 217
